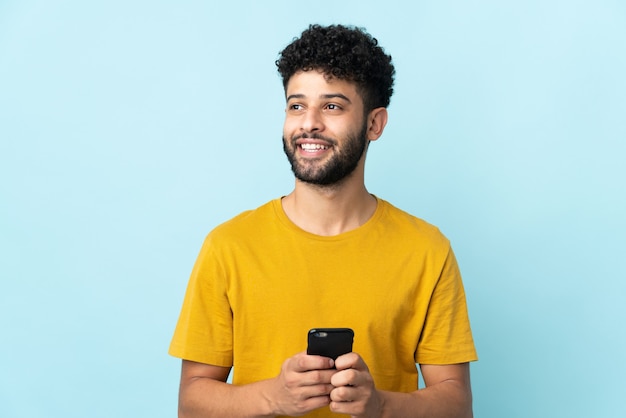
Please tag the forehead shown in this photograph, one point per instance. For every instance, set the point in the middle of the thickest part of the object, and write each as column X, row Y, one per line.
column 315, row 83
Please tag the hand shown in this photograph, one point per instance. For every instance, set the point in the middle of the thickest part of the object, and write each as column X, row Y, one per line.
column 354, row 392
column 302, row 385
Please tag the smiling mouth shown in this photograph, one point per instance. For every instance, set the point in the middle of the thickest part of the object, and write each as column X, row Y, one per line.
column 313, row 147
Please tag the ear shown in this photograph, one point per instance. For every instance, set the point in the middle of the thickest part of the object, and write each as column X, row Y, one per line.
column 376, row 121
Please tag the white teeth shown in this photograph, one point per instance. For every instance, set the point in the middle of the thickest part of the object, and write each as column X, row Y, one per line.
column 313, row 147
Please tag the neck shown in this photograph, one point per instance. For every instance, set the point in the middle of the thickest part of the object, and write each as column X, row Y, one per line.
column 330, row 210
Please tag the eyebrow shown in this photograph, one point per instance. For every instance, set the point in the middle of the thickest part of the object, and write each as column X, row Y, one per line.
column 323, row 96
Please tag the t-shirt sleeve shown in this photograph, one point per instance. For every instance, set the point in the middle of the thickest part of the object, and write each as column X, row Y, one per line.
column 446, row 336
column 204, row 329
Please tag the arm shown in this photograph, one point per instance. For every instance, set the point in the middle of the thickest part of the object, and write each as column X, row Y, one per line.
column 447, row 393
column 302, row 386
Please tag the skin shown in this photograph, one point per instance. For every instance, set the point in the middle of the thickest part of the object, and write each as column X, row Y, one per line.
column 315, row 156
column 331, row 109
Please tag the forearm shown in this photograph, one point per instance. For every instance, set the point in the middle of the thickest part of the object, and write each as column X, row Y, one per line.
column 448, row 399
column 205, row 397
column 302, row 386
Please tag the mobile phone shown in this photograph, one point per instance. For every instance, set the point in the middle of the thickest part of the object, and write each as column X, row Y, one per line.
column 330, row 342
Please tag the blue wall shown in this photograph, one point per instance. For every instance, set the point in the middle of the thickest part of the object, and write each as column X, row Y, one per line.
column 128, row 129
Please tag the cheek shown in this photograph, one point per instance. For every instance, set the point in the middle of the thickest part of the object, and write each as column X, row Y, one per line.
column 289, row 128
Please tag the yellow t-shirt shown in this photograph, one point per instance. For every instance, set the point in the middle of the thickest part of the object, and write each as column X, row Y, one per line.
column 260, row 283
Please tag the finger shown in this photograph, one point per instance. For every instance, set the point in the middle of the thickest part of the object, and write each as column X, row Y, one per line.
column 319, row 362
column 317, row 377
column 348, row 408
column 350, row 361
column 311, row 404
column 303, row 362
column 318, row 391
column 348, row 377
column 343, row 394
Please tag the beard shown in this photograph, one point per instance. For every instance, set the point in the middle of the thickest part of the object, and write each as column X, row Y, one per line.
column 341, row 164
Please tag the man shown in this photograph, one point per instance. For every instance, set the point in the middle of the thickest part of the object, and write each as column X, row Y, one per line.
column 329, row 254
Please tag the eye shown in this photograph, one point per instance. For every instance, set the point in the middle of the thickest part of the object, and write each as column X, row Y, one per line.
column 333, row 106
column 295, row 107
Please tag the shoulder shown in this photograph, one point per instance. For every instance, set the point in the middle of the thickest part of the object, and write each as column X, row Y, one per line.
column 245, row 225
column 411, row 227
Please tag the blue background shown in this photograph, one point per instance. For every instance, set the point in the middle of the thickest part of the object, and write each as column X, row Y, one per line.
column 129, row 129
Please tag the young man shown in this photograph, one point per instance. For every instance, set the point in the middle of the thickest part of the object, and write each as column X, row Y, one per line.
column 329, row 254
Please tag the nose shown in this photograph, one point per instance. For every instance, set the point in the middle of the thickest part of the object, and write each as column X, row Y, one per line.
column 312, row 121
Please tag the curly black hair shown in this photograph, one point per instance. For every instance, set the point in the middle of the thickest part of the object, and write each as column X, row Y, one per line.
column 343, row 52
